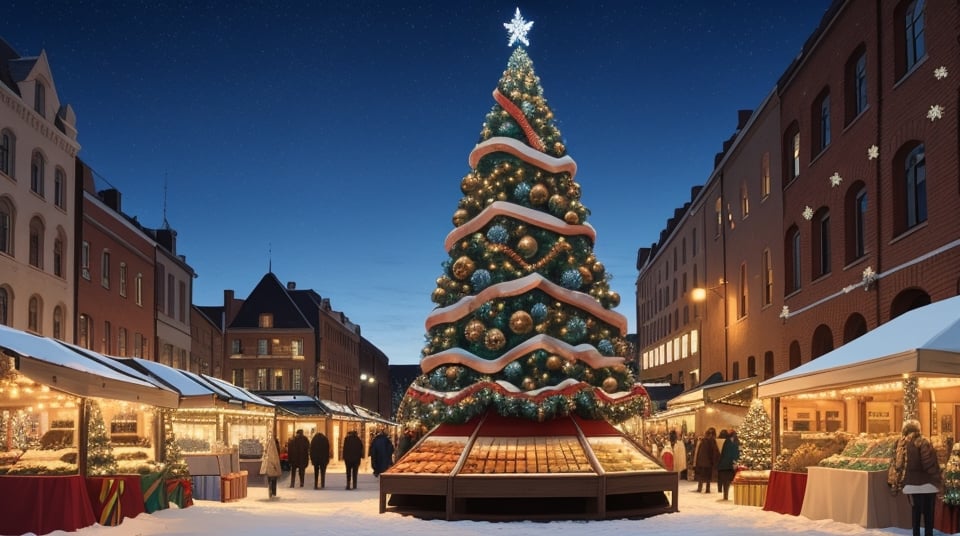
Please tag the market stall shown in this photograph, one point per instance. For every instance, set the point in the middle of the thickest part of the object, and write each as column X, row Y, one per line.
column 59, row 406
column 861, row 392
column 717, row 405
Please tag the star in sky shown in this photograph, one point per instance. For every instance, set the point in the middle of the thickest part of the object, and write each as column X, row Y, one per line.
column 835, row 179
column 518, row 29
column 873, row 152
column 936, row 112
column 940, row 72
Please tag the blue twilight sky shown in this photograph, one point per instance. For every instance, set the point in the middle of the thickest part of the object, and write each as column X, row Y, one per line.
column 332, row 137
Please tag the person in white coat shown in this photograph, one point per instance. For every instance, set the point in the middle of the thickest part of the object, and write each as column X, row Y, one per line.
column 270, row 466
column 679, row 454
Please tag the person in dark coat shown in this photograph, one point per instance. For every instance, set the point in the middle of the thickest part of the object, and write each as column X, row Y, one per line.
column 320, row 455
column 381, row 453
column 705, row 459
column 729, row 454
column 921, row 477
column 352, row 454
column 298, row 454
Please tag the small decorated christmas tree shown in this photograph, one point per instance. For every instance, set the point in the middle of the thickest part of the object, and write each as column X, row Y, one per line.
column 951, row 478
column 100, row 458
column 755, row 450
column 174, row 465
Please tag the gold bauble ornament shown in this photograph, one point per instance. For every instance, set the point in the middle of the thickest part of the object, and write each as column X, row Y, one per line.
column 558, row 148
column 539, row 194
column 585, row 275
column 571, row 217
column 521, row 322
column 614, row 298
column 463, row 268
column 597, row 268
column 544, row 378
column 527, row 246
column 502, row 196
column 574, row 190
column 620, row 369
column 528, row 384
column 469, row 183
column 554, row 362
column 520, row 230
column 494, row 339
column 438, row 295
column 558, row 203
column 452, row 373
column 474, row 330
column 460, row 217
column 610, row 385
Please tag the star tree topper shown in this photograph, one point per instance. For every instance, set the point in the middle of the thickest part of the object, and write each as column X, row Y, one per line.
column 518, row 29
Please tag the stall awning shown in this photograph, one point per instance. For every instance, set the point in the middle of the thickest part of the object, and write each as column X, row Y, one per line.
column 714, row 393
column 368, row 415
column 299, row 405
column 194, row 392
column 342, row 411
column 923, row 341
column 80, row 372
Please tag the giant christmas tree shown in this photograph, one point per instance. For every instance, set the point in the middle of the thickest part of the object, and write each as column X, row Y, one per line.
column 524, row 323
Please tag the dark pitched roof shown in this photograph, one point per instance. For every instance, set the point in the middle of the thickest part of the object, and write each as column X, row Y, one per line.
column 7, row 54
column 213, row 314
column 270, row 296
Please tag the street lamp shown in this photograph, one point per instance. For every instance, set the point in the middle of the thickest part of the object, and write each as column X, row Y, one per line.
column 364, row 380
column 699, row 295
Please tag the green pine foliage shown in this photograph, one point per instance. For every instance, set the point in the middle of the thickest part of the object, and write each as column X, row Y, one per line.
column 174, row 465
column 755, row 433
column 100, row 458
column 951, row 478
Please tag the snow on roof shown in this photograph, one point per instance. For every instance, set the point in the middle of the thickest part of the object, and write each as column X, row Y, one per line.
column 183, row 383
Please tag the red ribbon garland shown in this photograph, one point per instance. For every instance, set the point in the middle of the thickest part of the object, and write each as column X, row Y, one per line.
column 518, row 116
column 110, row 491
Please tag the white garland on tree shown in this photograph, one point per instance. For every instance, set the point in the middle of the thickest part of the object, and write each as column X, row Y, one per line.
column 755, row 433
column 100, row 458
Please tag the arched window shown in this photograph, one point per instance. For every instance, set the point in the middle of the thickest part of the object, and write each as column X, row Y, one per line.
column 767, row 267
column 855, row 88
column 855, row 220
column 795, row 357
column 854, row 327
column 909, row 39
column 37, row 166
column 821, row 122
column 5, row 309
column 791, row 153
column 910, row 187
column 34, row 314
column 736, row 370
column 60, row 188
column 58, row 245
column 792, row 259
column 822, row 341
column 7, row 219
column 36, row 242
column 820, row 232
column 58, row 322
column 84, row 331
column 8, row 151
column 751, row 366
column 744, row 292
column 768, row 367
column 744, row 201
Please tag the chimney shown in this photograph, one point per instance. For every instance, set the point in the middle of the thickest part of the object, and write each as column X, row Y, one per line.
column 742, row 117
column 111, row 198
column 168, row 239
column 291, row 285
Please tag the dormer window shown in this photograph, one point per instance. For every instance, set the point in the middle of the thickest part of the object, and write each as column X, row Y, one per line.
column 40, row 98
column 266, row 320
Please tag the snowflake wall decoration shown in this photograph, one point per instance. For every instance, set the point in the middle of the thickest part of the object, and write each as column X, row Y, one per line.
column 869, row 276
column 940, row 72
column 873, row 152
column 807, row 213
column 785, row 313
column 835, row 179
column 518, row 29
column 936, row 112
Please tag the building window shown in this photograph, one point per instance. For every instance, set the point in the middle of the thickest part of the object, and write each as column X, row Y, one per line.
column 85, row 260
column 106, row 345
column 138, row 283
column 122, row 342
column 718, row 208
column 171, row 288
column 767, row 277
column 37, row 164
column 4, row 306
column 36, row 243
column 821, row 246
column 138, row 344
column 913, row 47
column 792, row 257
column 161, row 286
column 58, row 256
column 262, row 379
column 236, row 347
column 296, row 379
column 791, row 152
column 821, row 113
column 751, row 366
column 182, row 296
column 83, row 331
column 765, row 175
column 33, row 314
column 915, row 176
column 58, row 322
column 40, row 98
column 261, row 346
column 238, row 377
column 8, row 146
column 856, row 84
column 59, row 188
column 296, row 347
column 855, row 220
column 278, row 379
column 266, row 320
column 744, row 201
column 742, row 301
column 105, row 269
column 6, row 226
column 123, row 280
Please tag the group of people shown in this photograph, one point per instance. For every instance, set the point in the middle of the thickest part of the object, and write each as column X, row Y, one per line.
column 713, row 458
column 302, row 452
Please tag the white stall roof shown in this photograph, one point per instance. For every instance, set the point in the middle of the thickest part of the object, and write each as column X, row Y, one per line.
column 185, row 384
column 238, row 393
column 925, row 340
column 80, row 372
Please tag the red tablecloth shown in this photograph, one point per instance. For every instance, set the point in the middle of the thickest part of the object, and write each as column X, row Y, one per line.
column 115, row 497
column 946, row 518
column 42, row 504
column 785, row 492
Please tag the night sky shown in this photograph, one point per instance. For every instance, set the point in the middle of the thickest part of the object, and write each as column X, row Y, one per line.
column 330, row 138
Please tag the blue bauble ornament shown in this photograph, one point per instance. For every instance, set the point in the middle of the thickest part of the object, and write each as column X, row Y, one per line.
column 538, row 312
column 498, row 234
column 513, row 371
column 605, row 347
column 522, row 192
column 570, row 279
column 576, row 330
column 481, row 279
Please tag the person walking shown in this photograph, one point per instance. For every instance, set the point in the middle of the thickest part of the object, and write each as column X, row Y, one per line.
column 270, row 466
column 916, row 460
column 298, row 454
column 320, row 455
column 381, row 453
column 729, row 454
column 679, row 454
column 352, row 454
column 705, row 459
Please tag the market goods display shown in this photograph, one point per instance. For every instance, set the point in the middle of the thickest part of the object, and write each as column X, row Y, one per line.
column 616, row 454
column 864, row 454
column 434, row 456
column 493, row 455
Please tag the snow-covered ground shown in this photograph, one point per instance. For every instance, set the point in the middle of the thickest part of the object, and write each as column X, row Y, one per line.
column 336, row 511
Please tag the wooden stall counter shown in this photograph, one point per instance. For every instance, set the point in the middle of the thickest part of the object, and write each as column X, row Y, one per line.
column 859, row 497
column 785, row 492
column 42, row 504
